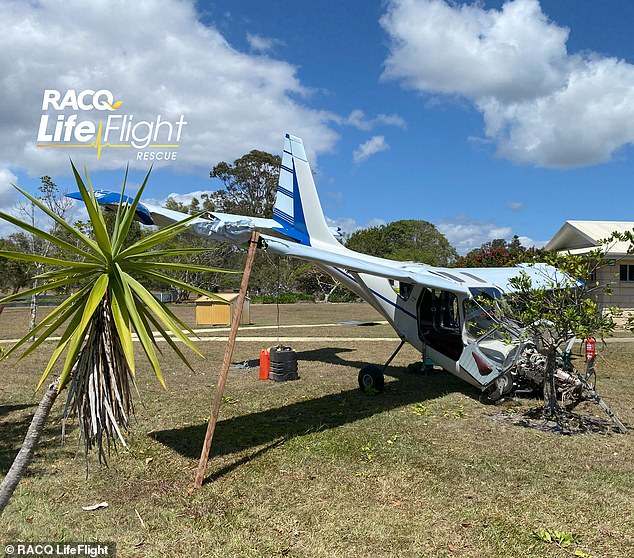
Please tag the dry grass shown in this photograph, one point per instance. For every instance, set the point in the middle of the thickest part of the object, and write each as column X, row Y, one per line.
column 315, row 468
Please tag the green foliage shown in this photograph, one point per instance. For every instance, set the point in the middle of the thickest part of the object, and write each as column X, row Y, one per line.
column 560, row 538
column 195, row 206
column 498, row 253
column 250, row 184
column 420, row 409
column 308, row 278
column 408, row 240
column 368, row 452
column 561, row 306
column 285, row 297
column 14, row 274
column 108, row 304
column 565, row 300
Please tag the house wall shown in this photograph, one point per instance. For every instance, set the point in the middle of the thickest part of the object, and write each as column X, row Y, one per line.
column 622, row 291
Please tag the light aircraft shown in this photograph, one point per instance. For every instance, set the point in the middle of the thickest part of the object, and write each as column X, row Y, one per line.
column 437, row 310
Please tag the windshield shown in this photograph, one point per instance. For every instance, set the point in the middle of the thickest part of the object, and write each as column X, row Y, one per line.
column 479, row 320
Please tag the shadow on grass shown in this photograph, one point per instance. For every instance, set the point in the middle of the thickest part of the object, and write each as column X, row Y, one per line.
column 330, row 355
column 7, row 409
column 14, row 423
column 267, row 428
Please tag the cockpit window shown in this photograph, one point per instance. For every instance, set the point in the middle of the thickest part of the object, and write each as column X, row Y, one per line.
column 478, row 316
column 404, row 290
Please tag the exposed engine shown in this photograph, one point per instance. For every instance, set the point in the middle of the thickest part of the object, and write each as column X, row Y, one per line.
column 528, row 373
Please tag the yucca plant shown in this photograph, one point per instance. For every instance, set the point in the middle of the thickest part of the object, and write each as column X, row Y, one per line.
column 108, row 307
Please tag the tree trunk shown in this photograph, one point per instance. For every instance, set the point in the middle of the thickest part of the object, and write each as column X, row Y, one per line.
column 551, row 406
column 33, row 317
column 23, row 459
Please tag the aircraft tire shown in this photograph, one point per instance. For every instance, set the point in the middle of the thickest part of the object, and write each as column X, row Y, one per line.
column 502, row 387
column 371, row 378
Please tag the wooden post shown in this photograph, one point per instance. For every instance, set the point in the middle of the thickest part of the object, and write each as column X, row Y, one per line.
column 220, row 388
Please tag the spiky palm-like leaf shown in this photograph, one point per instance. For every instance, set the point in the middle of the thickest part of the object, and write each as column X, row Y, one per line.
column 107, row 308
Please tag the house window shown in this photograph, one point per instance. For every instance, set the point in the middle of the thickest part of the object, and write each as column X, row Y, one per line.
column 627, row 272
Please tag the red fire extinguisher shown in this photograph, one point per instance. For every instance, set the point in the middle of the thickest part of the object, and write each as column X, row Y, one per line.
column 590, row 350
column 265, row 364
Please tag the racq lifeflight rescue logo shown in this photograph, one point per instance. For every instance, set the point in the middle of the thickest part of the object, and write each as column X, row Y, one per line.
column 61, row 125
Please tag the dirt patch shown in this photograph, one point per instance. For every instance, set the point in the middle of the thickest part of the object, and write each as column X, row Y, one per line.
column 569, row 423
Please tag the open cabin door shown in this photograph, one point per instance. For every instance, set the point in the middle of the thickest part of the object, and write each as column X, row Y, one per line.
column 439, row 322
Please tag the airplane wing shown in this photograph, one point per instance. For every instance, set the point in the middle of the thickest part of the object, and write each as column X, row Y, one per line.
column 348, row 260
column 541, row 275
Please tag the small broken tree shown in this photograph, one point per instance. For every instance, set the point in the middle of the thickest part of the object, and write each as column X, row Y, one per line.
column 563, row 307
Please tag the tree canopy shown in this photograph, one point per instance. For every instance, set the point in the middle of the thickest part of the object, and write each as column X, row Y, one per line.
column 497, row 253
column 407, row 240
column 250, row 184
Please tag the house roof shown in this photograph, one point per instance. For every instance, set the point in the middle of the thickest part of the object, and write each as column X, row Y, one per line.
column 580, row 237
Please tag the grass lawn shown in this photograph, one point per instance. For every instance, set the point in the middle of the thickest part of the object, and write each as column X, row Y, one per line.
column 314, row 467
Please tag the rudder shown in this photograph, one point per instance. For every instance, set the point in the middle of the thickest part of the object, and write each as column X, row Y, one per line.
column 297, row 207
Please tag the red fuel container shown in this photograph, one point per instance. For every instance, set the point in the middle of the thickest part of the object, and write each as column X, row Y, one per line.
column 265, row 364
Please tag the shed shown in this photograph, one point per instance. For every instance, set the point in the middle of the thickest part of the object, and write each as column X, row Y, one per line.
column 214, row 312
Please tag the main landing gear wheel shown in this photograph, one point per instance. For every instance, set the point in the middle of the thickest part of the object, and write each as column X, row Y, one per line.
column 371, row 378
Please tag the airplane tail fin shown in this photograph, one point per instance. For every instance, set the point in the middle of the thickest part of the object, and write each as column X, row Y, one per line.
column 297, row 207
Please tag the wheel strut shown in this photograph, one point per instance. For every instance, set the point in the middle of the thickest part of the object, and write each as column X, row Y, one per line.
column 393, row 355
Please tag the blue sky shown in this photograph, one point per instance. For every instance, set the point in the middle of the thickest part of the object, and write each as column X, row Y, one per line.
column 487, row 119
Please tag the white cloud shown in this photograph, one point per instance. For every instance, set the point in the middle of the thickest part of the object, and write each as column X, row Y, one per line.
column 359, row 120
column 540, row 104
column 515, row 205
column 157, row 58
column 464, row 234
column 262, row 44
column 528, row 242
column 8, row 193
column 185, row 198
column 8, row 199
column 374, row 145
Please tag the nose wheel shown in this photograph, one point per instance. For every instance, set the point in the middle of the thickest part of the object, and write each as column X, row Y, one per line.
column 501, row 387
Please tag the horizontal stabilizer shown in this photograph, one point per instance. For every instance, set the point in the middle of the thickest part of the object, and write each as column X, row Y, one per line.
column 112, row 200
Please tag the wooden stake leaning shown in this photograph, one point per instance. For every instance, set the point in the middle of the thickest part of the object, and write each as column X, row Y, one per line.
column 220, row 388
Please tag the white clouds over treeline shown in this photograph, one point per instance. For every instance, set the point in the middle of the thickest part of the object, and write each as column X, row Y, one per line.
column 541, row 105
column 465, row 234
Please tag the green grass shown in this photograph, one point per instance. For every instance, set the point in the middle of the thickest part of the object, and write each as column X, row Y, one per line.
column 315, row 468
